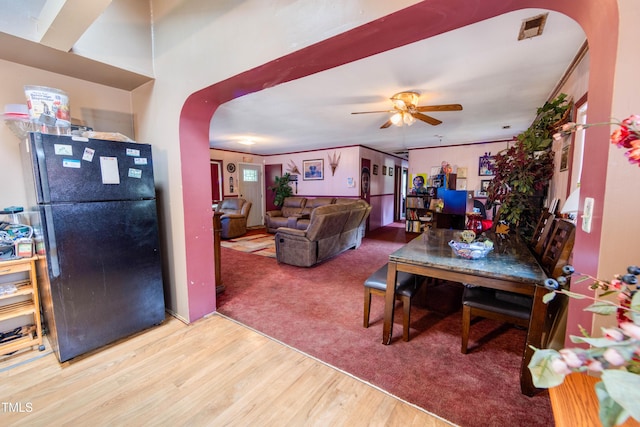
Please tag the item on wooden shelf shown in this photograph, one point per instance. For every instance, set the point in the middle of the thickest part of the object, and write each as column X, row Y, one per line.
column 437, row 205
column 418, row 214
column 14, row 305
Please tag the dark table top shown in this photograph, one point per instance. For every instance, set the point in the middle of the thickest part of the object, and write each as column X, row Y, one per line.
column 510, row 259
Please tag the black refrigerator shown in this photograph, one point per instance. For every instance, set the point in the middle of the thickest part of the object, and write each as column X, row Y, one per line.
column 93, row 208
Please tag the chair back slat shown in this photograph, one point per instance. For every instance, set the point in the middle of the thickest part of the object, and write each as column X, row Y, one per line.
column 541, row 233
column 559, row 247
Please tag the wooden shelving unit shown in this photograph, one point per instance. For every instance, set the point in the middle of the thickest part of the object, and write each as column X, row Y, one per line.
column 23, row 302
column 418, row 216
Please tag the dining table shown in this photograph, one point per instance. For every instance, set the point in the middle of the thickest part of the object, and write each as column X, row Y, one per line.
column 510, row 266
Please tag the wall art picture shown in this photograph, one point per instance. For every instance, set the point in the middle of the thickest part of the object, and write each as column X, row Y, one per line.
column 564, row 158
column 384, row 170
column 313, row 169
column 375, row 169
column 486, row 165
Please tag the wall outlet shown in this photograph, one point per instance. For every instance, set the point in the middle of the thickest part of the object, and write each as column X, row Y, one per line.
column 587, row 215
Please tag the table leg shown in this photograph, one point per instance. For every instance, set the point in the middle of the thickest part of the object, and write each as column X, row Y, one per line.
column 534, row 338
column 389, row 302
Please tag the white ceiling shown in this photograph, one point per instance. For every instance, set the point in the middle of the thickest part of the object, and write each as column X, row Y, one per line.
column 499, row 81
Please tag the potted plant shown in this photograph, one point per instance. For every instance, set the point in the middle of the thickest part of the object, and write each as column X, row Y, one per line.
column 282, row 189
column 523, row 171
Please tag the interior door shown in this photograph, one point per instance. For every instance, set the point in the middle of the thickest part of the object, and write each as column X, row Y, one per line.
column 216, row 181
column 250, row 184
column 397, row 193
column 270, row 174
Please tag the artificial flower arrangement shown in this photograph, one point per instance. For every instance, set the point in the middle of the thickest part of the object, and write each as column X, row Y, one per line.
column 615, row 357
column 626, row 136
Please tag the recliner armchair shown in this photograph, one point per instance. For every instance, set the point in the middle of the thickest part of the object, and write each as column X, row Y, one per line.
column 234, row 217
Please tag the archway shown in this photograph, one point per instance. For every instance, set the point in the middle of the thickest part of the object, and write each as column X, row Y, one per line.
column 598, row 18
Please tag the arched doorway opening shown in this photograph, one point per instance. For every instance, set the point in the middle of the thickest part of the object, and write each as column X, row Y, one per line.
column 598, row 18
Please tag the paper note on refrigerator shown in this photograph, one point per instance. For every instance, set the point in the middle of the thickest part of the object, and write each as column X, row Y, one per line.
column 109, row 169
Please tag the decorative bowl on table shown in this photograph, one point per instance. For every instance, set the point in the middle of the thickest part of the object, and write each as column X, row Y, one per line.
column 473, row 250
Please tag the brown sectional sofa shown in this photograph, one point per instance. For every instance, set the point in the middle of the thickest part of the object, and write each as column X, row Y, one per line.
column 296, row 212
column 332, row 229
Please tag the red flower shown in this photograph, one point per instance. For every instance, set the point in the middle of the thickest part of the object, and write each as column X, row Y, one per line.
column 628, row 136
column 621, row 137
column 634, row 153
column 632, row 122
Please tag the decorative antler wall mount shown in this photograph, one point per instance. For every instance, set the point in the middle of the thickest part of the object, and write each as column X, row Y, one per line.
column 333, row 161
column 292, row 168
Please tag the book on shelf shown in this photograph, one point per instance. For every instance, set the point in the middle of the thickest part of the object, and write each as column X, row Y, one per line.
column 415, row 202
column 413, row 226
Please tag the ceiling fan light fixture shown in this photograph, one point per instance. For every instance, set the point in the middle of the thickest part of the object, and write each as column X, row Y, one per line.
column 408, row 119
column 404, row 99
column 398, row 104
column 406, row 110
column 397, row 119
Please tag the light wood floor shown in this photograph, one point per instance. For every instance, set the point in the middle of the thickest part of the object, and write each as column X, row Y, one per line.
column 213, row 372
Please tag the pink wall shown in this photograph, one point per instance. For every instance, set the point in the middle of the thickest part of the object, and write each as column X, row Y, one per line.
column 599, row 19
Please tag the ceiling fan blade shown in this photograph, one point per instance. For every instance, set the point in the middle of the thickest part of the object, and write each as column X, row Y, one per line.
column 367, row 112
column 386, row 124
column 427, row 119
column 444, row 107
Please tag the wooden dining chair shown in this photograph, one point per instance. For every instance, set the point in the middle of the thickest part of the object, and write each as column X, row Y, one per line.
column 497, row 226
column 541, row 233
column 515, row 308
column 407, row 285
column 558, row 248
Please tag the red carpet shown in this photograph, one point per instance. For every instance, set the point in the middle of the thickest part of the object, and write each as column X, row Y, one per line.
column 318, row 310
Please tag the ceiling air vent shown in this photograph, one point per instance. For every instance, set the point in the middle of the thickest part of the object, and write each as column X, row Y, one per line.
column 532, row 27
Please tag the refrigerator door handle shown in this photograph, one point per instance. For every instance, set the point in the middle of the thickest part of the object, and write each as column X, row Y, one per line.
column 53, row 247
column 42, row 181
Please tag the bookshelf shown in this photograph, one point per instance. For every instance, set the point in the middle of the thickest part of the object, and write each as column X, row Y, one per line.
column 418, row 216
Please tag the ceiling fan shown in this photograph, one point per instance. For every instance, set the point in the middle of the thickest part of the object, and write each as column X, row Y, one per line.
column 406, row 110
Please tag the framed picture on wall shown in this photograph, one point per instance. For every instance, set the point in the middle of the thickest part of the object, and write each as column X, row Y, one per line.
column 564, row 158
column 461, row 172
column 486, row 165
column 384, row 170
column 375, row 169
column 313, row 170
column 390, row 171
column 484, row 186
